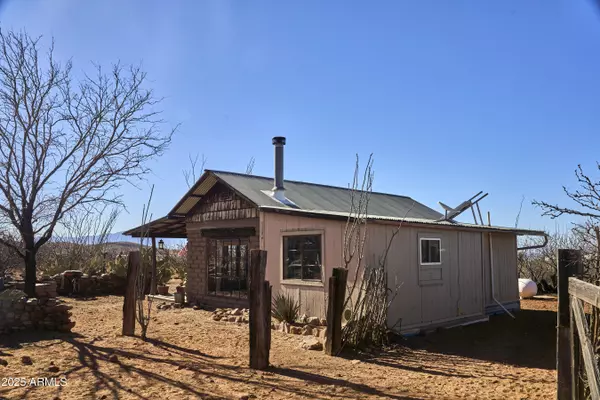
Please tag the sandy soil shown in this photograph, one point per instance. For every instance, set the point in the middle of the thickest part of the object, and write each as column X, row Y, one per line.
column 190, row 356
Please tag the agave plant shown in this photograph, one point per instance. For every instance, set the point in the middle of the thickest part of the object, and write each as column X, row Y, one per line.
column 285, row 308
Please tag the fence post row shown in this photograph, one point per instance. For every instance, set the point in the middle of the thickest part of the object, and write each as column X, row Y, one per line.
column 259, row 296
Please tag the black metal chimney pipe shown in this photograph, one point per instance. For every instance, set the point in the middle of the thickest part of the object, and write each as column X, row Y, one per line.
column 278, row 142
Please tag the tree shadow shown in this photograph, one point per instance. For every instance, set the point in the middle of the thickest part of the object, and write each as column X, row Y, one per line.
column 325, row 380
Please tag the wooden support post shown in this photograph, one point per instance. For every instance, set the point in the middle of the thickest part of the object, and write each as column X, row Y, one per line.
column 337, row 296
column 130, row 295
column 259, row 295
column 568, row 265
column 153, row 278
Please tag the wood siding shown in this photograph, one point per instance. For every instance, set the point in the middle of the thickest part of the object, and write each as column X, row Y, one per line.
column 222, row 203
column 505, row 268
column 311, row 296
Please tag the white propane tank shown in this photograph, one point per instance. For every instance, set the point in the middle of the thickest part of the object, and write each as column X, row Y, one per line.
column 527, row 288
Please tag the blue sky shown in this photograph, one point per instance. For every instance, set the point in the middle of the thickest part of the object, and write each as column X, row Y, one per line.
column 451, row 97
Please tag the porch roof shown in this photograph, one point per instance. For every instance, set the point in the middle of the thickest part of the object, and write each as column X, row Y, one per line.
column 165, row 227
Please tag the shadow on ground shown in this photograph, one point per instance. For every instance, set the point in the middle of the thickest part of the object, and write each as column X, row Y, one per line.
column 527, row 341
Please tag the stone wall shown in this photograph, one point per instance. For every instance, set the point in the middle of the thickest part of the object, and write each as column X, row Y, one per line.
column 105, row 284
column 17, row 312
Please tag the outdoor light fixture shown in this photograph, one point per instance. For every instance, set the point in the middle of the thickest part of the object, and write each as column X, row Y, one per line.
column 161, row 244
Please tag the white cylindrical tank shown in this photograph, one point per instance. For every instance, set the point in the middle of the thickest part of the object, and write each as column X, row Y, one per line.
column 527, row 288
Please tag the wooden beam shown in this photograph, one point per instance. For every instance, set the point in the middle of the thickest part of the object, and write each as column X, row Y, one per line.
column 567, row 259
column 335, row 309
column 153, row 278
column 585, row 291
column 259, row 296
column 129, row 299
column 587, row 349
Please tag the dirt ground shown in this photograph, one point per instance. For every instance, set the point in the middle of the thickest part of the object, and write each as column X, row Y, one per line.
column 190, row 356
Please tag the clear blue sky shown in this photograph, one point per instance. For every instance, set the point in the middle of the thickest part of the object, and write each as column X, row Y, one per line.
column 452, row 97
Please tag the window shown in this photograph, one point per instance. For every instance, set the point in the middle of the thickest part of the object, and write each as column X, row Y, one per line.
column 228, row 267
column 431, row 251
column 302, row 257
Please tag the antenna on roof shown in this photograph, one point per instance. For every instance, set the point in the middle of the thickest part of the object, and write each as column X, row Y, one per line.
column 473, row 203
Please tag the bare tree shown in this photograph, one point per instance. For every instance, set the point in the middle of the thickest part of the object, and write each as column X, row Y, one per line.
column 66, row 145
column 586, row 198
column 192, row 174
column 355, row 232
column 82, row 243
column 143, row 273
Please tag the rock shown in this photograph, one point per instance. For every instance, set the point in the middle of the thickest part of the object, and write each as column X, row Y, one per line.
column 311, row 344
column 284, row 327
column 307, row 330
column 26, row 360
column 113, row 358
column 53, row 368
column 313, row 321
column 273, row 325
column 236, row 311
column 32, row 302
column 355, row 362
column 303, row 318
column 176, row 305
column 3, row 362
column 239, row 319
column 323, row 322
column 196, row 308
column 232, row 318
column 295, row 330
column 323, row 333
column 216, row 317
column 316, row 332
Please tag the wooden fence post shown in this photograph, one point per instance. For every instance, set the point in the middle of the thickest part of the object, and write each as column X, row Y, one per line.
column 337, row 296
column 133, row 263
column 568, row 265
column 259, row 296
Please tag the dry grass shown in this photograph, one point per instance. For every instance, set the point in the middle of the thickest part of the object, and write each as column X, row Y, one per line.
column 190, row 356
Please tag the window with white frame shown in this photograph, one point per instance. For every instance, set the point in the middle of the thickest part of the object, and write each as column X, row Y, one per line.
column 430, row 251
column 302, row 257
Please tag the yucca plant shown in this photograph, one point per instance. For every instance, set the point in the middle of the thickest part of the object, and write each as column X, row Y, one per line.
column 285, row 308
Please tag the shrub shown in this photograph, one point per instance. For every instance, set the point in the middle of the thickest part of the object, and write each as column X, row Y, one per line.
column 285, row 308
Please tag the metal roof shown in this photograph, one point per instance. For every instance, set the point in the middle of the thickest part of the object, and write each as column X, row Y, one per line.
column 164, row 227
column 310, row 199
column 307, row 196
column 405, row 220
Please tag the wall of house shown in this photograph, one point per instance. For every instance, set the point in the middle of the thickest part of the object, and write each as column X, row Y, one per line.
column 458, row 289
column 312, row 296
column 221, row 208
column 505, row 271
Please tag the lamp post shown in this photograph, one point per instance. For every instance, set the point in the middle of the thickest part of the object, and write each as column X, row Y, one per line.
column 161, row 244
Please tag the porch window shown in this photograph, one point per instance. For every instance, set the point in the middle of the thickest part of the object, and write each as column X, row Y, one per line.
column 302, row 257
column 430, row 250
column 227, row 261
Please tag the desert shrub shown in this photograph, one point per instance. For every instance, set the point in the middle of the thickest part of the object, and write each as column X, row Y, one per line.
column 285, row 308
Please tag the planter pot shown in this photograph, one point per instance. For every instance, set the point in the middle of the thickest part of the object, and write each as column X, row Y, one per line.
column 179, row 297
column 162, row 290
column 180, row 289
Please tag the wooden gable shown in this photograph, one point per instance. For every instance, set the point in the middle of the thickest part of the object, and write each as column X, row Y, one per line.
column 222, row 203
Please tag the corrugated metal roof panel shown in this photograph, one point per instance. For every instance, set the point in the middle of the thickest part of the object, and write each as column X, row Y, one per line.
column 310, row 196
column 407, row 220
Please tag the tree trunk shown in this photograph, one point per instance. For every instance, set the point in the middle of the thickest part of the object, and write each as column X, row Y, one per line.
column 30, row 271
